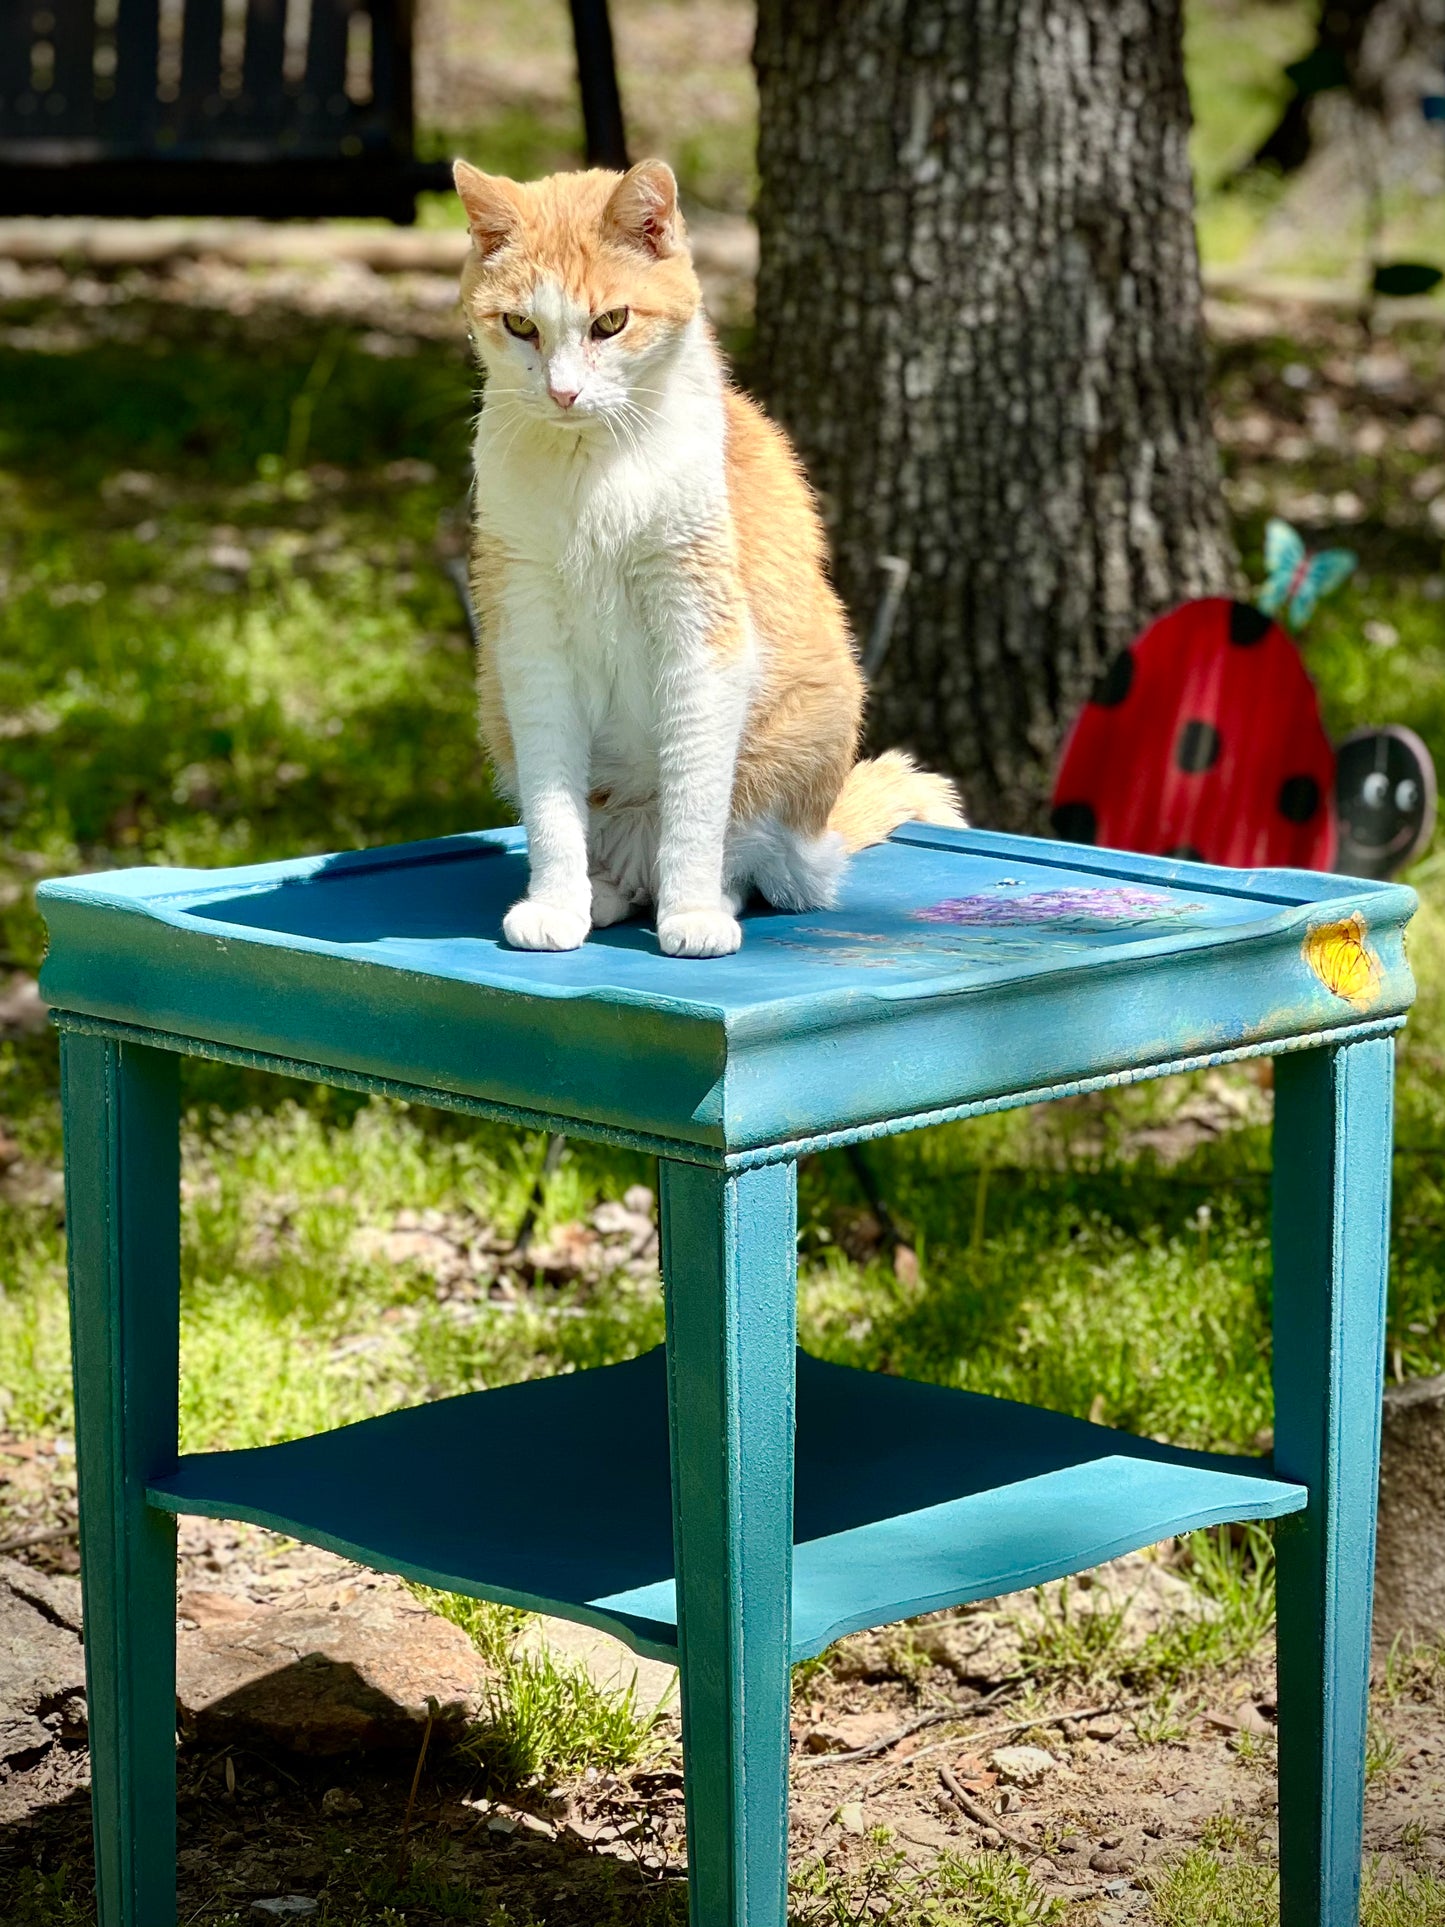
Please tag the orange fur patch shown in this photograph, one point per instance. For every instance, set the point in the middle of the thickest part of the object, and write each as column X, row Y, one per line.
column 802, row 734
column 557, row 228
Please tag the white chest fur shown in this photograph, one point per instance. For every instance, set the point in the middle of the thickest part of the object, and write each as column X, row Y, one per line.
column 597, row 524
column 616, row 681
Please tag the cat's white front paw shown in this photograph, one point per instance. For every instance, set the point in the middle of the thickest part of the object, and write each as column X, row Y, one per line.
column 609, row 904
column 535, row 925
column 699, row 933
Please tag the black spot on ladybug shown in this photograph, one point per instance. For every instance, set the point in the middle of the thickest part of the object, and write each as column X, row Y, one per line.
column 1074, row 822
column 1247, row 626
column 1196, row 747
column 1116, row 682
column 1185, row 853
column 1299, row 798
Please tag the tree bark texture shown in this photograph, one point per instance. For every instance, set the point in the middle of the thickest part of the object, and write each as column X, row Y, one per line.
column 979, row 316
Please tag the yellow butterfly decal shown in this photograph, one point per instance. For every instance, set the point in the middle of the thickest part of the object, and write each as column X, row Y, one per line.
column 1343, row 961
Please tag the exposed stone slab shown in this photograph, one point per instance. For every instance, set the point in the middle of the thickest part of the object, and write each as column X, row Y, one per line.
column 343, row 1668
column 1410, row 1557
column 42, row 1664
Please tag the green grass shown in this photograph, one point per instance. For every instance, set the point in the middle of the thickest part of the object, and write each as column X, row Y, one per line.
column 159, row 704
column 687, row 92
column 545, row 1719
column 49, row 1899
column 165, row 698
column 1088, row 1284
column 1383, row 1752
column 1236, row 52
column 1066, row 1642
column 990, row 1891
column 1199, row 1890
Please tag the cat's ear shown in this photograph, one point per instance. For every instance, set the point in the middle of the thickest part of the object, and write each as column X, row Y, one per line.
column 492, row 211
column 643, row 210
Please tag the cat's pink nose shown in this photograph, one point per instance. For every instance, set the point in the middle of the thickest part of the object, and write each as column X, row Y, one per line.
column 564, row 397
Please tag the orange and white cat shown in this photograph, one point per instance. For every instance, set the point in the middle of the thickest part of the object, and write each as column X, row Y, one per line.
column 668, row 687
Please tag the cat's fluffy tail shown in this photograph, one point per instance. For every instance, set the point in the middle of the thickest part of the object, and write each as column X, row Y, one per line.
column 889, row 790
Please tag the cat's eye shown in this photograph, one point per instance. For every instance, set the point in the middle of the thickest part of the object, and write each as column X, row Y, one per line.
column 611, row 323
column 520, row 325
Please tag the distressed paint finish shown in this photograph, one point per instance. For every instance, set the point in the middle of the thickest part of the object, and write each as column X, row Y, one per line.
column 961, row 973
column 729, row 1257
column 782, row 1150
column 390, row 964
column 1331, row 1252
column 122, row 1194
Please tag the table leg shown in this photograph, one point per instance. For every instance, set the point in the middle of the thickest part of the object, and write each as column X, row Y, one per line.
column 1332, row 1135
column 730, row 1266
column 122, row 1183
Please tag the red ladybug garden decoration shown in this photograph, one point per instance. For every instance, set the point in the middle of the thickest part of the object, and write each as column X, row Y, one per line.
column 1203, row 740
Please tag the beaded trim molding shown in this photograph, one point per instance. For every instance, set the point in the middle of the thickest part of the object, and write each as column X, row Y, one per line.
column 681, row 1149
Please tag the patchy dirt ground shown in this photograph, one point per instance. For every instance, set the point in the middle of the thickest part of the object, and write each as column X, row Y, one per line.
column 927, row 1731
column 1094, row 1791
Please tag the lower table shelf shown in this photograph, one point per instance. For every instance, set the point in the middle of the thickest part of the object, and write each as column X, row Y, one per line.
column 555, row 1495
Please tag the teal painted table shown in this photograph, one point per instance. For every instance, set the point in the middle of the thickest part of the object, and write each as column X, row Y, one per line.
column 759, row 1503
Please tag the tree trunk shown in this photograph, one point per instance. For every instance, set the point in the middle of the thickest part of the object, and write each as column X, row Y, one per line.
column 979, row 316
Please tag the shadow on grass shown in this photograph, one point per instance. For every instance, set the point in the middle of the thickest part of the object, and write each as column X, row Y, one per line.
column 202, row 393
column 277, row 1835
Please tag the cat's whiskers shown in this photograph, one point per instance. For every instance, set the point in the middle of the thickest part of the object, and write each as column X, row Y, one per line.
column 654, row 394
column 611, row 428
column 518, row 422
column 499, row 415
column 617, row 421
column 644, row 422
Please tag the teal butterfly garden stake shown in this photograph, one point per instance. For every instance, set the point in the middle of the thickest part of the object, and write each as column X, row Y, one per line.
column 1295, row 579
column 1203, row 741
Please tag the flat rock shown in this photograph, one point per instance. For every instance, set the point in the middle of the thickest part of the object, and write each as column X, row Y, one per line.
column 1021, row 1765
column 1107, row 1860
column 341, row 1668
column 42, row 1665
column 983, row 1648
column 1410, row 1546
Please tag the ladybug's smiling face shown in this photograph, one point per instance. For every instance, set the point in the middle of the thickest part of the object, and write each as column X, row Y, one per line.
column 1385, row 796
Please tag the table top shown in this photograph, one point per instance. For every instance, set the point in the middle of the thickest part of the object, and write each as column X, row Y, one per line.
column 958, row 968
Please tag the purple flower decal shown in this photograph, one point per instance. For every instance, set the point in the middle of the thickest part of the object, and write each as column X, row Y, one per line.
column 1094, row 908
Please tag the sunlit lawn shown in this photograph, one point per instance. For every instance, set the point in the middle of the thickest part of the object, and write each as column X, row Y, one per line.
column 226, row 635
column 213, row 655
